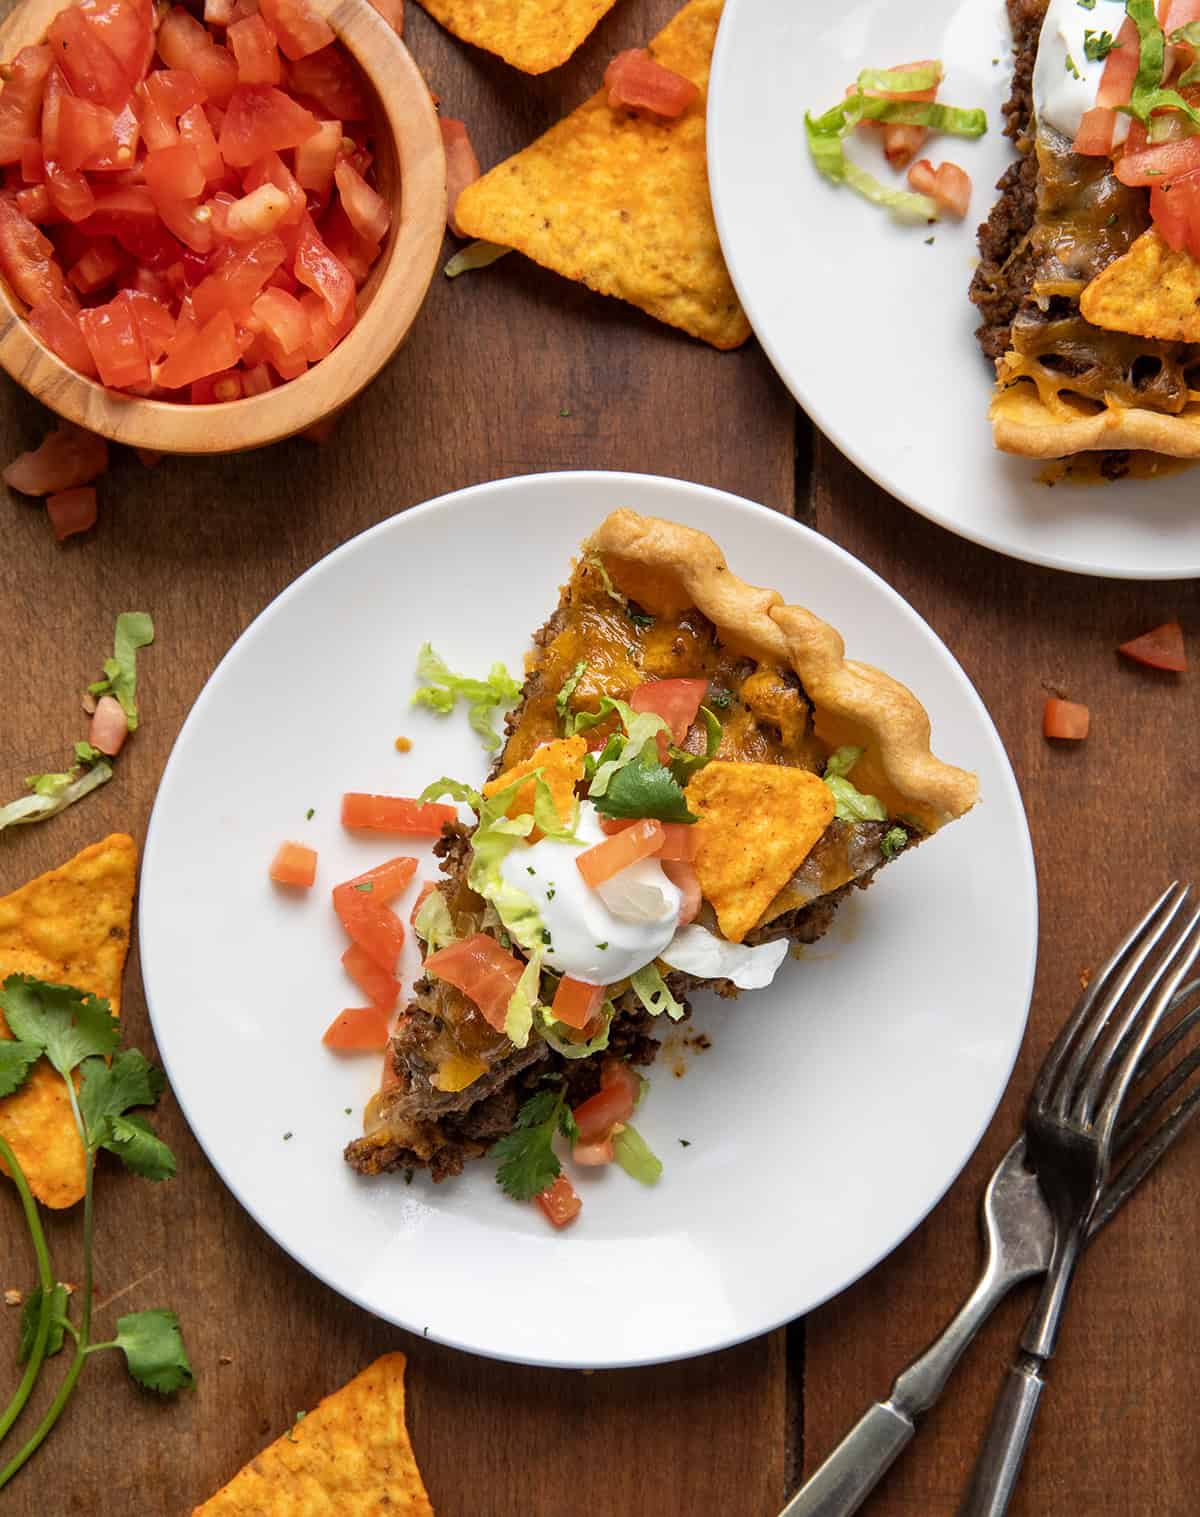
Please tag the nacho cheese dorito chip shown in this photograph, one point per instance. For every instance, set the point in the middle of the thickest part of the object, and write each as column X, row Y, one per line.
column 70, row 927
column 350, row 1457
column 561, row 763
column 532, row 35
column 758, row 823
column 1150, row 291
column 620, row 202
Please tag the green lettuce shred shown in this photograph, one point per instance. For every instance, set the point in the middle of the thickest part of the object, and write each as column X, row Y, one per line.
column 564, row 1046
column 851, row 804
column 1148, row 94
column 433, row 923
column 443, row 689
column 518, row 1019
column 53, row 793
column 651, row 990
column 476, row 255
column 134, row 630
column 900, row 81
column 895, row 840
column 636, row 1157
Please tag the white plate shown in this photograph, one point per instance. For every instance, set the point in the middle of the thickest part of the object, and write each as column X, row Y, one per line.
column 832, row 1111
column 870, row 327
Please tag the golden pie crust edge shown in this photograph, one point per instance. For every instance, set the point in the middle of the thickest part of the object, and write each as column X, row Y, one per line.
column 853, row 702
column 1022, row 423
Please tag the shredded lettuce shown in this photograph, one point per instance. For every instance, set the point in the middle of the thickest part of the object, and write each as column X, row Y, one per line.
column 651, row 990
column 53, row 793
column 476, row 255
column 564, row 1046
column 641, row 728
column 852, row 804
column 685, row 764
column 562, row 699
column 443, row 689
column 1147, row 94
column 134, row 630
column 901, row 81
column 433, row 923
column 635, row 1156
column 695, row 950
column 895, row 840
column 518, row 1019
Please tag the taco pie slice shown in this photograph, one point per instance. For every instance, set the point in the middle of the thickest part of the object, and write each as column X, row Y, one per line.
column 693, row 780
column 1086, row 268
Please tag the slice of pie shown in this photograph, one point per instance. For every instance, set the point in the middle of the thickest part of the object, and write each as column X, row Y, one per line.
column 693, row 780
column 1086, row 285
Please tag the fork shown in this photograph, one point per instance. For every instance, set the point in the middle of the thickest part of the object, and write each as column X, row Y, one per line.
column 1019, row 1236
column 1069, row 1131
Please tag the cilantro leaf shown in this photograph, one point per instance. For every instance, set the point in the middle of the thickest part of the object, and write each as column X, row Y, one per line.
column 66, row 1024
column 109, row 1090
column 644, row 788
column 562, row 699
column 134, row 630
column 16, row 1060
column 138, row 1147
column 154, row 1351
column 1098, row 45
column 443, row 689
column 30, row 1313
column 528, row 1163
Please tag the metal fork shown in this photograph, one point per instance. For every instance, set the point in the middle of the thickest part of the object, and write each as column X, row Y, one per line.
column 1069, row 1130
column 1019, row 1237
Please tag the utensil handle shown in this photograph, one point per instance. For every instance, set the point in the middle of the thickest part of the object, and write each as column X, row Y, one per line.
column 999, row 1464
column 855, row 1467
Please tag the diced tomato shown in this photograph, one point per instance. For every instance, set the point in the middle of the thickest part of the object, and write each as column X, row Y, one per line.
column 423, row 895
column 683, row 876
column 323, row 336
column 902, row 141
column 679, row 838
column 1177, row 13
column 367, row 211
column 155, row 323
column 70, row 512
column 379, row 987
column 293, row 864
column 462, row 166
column 115, row 342
column 257, row 380
column 377, row 931
column 126, row 29
column 1161, row 161
column 218, row 12
column 300, row 29
column 261, row 119
column 576, row 1002
column 84, row 129
column 353, row 252
column 33, row 165
column 1065, row 719
column 119, row 152
column 172, row 91
column 1095, row 135
column 317, row 156
column 329, row 80
column 98, row 267
column 386, row 881
column 212, row 348
column 67, row 457
column 234, row 286
column 485, row 973
column 70, row 193
column 253, row 44
column 323, row 273
column 34, row 203
column 948, row 184
column 392, row 12
column 195, row 130
column 187, row 220
column 1120, row 68
column 603, row 860
column 184, row 44
column 613, row 1102
column 593, row 1155
column 89, row 64
column 558, row 1203
column 676, row 700
column 283, row 320
column 393, row 813
column 21, row 100
column 216, row 389
column 1161, row 648
column 358, row 1029
column 271, row 169
column 636, row 82
column 255, row 215
column 26, row 257
column 56, row 322
column 174, row 172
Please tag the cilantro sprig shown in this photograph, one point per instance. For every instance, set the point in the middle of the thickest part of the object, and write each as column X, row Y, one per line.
column 78, row 1035
column 528, row 1163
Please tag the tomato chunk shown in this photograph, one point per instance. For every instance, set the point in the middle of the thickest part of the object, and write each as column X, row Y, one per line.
column 262, row 119
column 379, row 987
column 294, row 864
column 300, row 29
column 67, row 457
column 377, row 931
column 90, row 65
column 635, row 81
column 676, row 700
column 576, row 1002
column 485, row 973
column 109, row 726
column 234, row 285
column 1160, row 648
column 1065, row 719
column 949, row 185
column 613, row 1102
column 253, row 44
column 603, row 860
column 26, row 257
column 56, row 322
column 207, row 351
column 74, row 511
column 559, row 1203
column 358, row 1029
column 394, row 813
column 84, row 130
column 21, row 100
column 462, row 166
column 682, row 874
column 323, row 273
column 174, row 172
column 316, row 157
column 368, row 211
column 385, row 882
column 328, row 79
column 679, row 838
column 593, row 1155
column 115, row 341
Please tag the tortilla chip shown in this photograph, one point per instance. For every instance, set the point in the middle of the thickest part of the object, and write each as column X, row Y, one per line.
column 532, row 35
column 620, row 202
column 561, row 763
column 1150, row 291
column 351, row 1457
column 758, row 823
column 70, row 927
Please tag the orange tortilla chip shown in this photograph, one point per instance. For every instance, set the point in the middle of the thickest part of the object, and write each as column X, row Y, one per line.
column 70, row 927
column 561, row 763
column 532, row 35
column 351, row 1457
column 1150, row 291
column 758, row 823
column 620, row 202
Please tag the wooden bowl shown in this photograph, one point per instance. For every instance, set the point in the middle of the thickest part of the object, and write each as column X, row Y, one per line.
column 410, row 168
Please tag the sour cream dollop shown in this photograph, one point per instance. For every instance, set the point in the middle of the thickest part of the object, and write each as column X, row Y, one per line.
column 1065, row 79
column 593, row 937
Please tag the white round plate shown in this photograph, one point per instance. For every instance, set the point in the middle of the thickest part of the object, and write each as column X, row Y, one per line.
column 832, row 1110
column 869, row 325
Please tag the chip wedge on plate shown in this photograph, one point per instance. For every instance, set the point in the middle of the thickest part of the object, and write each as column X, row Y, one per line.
column 695, row 777
column 70, row 927
column 532, row 35
column 620, row 202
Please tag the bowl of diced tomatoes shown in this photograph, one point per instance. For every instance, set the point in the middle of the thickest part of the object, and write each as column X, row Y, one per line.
column 219, row 219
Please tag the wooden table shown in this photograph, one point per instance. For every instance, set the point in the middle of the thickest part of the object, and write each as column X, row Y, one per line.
column 507, row 372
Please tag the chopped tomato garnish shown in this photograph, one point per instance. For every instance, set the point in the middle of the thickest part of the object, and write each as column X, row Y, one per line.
column 1120, row 68
column 70, row 512
column 558, row 1203
column 676, row 700
column 683, row 876
column 395, row 813
column 114, row 340
column 635, row 81
column 593, row 1154
column 317, row 156
column 576, row 1002
column 1160, row 161
column 379, row 987
column 485, row 973
column 378, row 931
column 293, row 864
column 462, row 166
column 1095, row 135
column 367, row 211
column 603, row 860
column 299, row 28
column 328, row 80
column 66, row 457
column 1065, row 719
column 902, row 141
column 358, row 1029
column 1161, row 648
column 193, row 355
column 949, row 185
column 385, row 882
column 21, row 100
column 254, row 49
column 27, row 257
column 679, row 838
column 613, row 1102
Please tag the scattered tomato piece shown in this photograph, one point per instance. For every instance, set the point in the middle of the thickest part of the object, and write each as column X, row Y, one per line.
column 593, row 1155
column 386, row 881
column 377, row 931
column 379, row 987
column 613, row 1102
column 358, row 1029
column 72, row 511
column 603, row 860
column 293, row 864
column 576, row 1002
column 949, row 185
column 485, row 973
column 559, row 1203
column 462, row 166
column 1065, row 719
column 394, row 813
column 682, row 874
column 635, row 81
column 1160, row 648
column 66, row 457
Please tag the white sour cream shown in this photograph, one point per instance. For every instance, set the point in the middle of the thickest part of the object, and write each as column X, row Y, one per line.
column 594, row 938
column 1062, row 92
